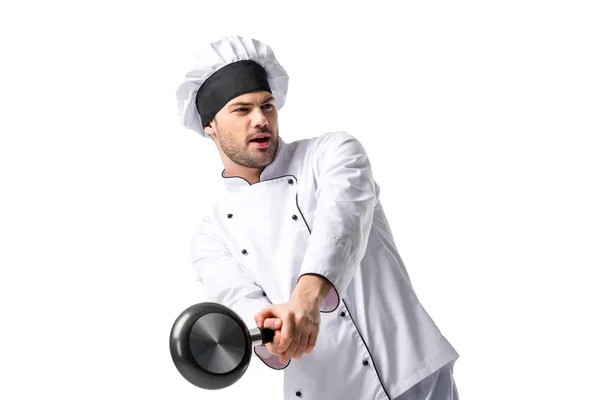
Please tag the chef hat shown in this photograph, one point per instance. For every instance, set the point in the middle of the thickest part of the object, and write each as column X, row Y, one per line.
column 227, row 68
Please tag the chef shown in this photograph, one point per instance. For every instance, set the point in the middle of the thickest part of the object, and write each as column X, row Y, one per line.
column 298, row 242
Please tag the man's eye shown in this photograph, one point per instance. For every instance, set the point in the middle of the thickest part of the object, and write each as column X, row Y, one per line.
column 268, row 107
column 240, row 110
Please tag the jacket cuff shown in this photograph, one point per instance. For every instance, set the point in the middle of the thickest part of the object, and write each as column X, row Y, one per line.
column 331, row 300
column 271, row 360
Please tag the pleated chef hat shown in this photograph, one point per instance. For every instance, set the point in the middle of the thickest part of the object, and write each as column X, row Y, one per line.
column 227, row 68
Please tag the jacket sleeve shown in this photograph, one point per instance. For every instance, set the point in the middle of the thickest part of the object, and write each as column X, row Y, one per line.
column 226, row 282
column 345, row 201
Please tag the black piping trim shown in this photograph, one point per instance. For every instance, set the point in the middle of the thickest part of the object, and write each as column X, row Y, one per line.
column 260, row 181
column 370, row 355
column 264, row 362
column 232, row 177
column 301, row 213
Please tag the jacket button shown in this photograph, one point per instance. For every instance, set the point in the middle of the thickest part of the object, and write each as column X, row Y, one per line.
column 229, row 215
column 244, row 251
column 342, row 314
column 291, row 182
column 299, row 394
column 294, row 217
column 365, row 362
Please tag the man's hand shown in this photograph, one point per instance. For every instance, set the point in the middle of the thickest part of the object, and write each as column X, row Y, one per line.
column 298, row 334
column 300, row 317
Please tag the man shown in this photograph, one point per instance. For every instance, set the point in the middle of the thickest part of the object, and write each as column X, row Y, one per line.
column 298, row 242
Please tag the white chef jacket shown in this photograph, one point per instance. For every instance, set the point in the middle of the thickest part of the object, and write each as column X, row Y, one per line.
column 316, row 210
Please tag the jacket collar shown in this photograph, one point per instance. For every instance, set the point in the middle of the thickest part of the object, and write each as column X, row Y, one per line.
column 275, row 169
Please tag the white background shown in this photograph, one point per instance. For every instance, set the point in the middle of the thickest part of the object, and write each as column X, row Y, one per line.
column 481, row 120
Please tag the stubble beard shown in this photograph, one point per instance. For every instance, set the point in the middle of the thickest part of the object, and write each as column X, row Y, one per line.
column 242, row 154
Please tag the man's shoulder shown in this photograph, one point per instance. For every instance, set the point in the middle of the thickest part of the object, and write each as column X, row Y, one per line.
column 324, row 137
column 318, row 142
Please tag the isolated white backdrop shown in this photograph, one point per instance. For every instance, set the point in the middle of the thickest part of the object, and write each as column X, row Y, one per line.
column 481, row 120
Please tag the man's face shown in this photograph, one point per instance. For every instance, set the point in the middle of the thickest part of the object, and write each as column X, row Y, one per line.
column 246, row 129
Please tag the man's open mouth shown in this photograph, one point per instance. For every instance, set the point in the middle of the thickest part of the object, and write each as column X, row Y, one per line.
column 261, row 140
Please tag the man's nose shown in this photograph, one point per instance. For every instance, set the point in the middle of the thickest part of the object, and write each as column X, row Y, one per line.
column 258, row 118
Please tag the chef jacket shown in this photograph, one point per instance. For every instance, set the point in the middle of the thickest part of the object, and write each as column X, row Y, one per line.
column 316, row 210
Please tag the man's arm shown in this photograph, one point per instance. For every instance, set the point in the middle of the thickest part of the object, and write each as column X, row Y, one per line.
column 225, row 281
column 346, row 197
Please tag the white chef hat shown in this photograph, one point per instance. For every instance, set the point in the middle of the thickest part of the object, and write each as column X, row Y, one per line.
column 227, row 68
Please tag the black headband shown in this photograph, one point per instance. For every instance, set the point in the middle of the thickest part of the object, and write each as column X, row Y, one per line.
column 227, row 83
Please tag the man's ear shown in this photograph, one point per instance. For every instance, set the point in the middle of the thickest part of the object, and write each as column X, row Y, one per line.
column 210, row 129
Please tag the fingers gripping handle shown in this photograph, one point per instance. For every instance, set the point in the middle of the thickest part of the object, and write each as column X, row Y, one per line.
column 261, row 336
